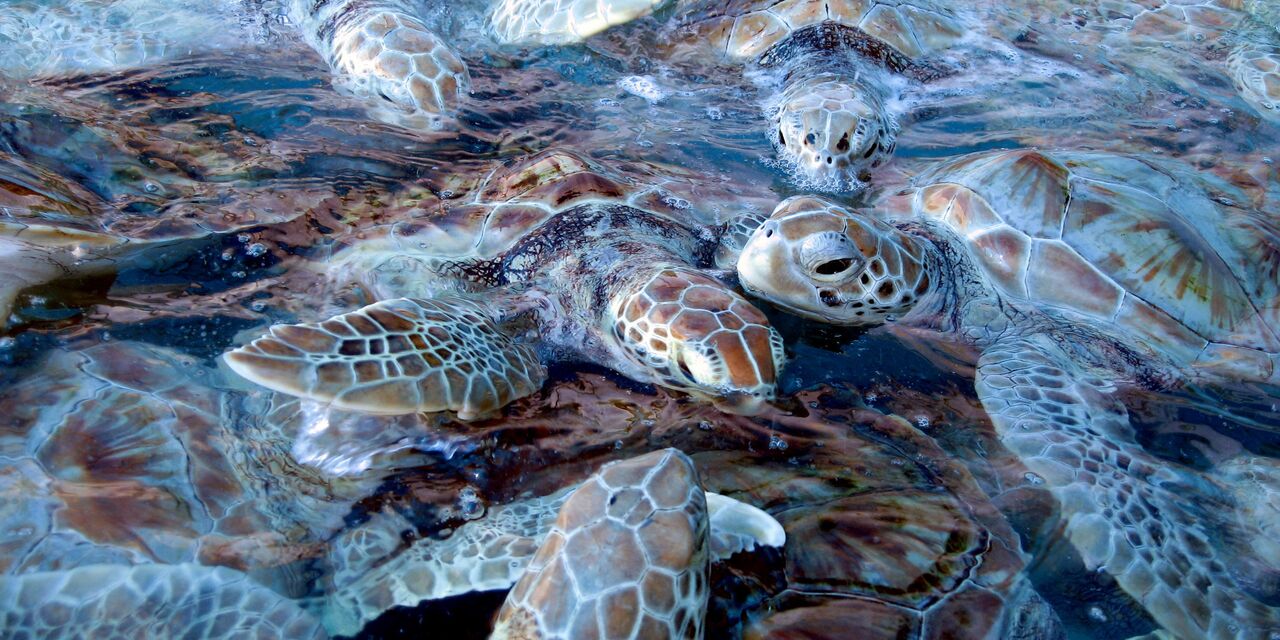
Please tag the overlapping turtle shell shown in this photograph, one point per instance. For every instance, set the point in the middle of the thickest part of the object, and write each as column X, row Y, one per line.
column 1149, row 246
column 744, row 29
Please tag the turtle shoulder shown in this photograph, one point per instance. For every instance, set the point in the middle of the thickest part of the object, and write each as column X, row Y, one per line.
column 744, row 30
column 1122, row 240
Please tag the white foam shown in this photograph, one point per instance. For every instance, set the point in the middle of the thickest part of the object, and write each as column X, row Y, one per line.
column 645, row 87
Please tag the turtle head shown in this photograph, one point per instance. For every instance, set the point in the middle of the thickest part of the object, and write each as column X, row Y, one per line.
column 833, row 132
column 688, row 331
column 821, row 261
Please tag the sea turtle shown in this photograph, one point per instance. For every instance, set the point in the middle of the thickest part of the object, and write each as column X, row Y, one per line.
column 829, row 65
column 1071, row 274
column 161, row 492
column 883, row 529
column 555, row 247
column 380, row 51
column 629, row 546
column 1181, row 42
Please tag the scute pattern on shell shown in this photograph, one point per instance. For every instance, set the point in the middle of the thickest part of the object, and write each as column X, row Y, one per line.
column 395, row 357
column 914, row 28
column 394, row 55
column 1101, row 235
column 628, row 557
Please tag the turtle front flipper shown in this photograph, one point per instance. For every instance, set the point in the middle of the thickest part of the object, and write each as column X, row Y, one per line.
column 550, row 22
column 1152, row 525
column 379, row 51
column 397, row 357
column 149, row 601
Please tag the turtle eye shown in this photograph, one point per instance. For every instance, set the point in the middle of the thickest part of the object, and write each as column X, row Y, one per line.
column 843, row 145
column 832, row 267
column 810, row 139
column 782, row 138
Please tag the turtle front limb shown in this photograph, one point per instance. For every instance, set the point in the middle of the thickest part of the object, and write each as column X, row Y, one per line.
column 379, row 51
column 1153, row 525
column 397, row 357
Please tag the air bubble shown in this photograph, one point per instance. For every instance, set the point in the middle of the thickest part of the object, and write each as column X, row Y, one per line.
column 676, row 203
column 228, row 254
column 706, row 425
column 1096, row 614
column 244, row 238
column 151, row 187
column 776, row 443
column 1033, row 478
column 715, row 113
column 256, row 249
column 922, row 422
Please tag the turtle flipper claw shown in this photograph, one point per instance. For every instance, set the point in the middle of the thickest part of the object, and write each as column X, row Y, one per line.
column 397, row 357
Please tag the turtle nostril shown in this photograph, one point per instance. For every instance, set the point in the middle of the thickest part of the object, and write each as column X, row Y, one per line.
column 832, row 267
column 828, row 159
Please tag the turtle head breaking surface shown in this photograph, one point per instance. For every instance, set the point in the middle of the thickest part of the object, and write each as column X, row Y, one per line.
column 820, row 261
column 828, row 70
column 554, row 258
column 1072, row 274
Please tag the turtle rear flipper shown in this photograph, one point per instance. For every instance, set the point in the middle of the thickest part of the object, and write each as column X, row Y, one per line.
column 397, row 357
column 1148, row 523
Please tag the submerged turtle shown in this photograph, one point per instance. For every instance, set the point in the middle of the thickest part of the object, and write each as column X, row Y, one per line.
column 378, row 50
column 1174, row 40
column 1072, row 274
column 629, row 547
column 830, row 64
column 592, row 268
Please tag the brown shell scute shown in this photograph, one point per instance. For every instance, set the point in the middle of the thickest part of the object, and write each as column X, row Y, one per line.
column 1121, row 239
column 627, row 557
column 913, row 28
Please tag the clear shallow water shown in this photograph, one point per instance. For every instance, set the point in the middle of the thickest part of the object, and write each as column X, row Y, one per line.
column 124, row 442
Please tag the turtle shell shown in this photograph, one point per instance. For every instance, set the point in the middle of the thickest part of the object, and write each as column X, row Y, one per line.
column 745, row 29
column 518, row 198
column 1166, row 254
column 129, row 454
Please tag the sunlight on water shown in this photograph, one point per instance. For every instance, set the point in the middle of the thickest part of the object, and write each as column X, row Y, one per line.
column 978, row 302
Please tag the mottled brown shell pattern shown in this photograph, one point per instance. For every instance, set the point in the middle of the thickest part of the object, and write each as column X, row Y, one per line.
column 1149, row 247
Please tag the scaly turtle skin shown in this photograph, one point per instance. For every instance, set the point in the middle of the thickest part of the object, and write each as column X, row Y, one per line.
column 1072, row 273
column 378, row 50
column 554, row 248
column 832, row 62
